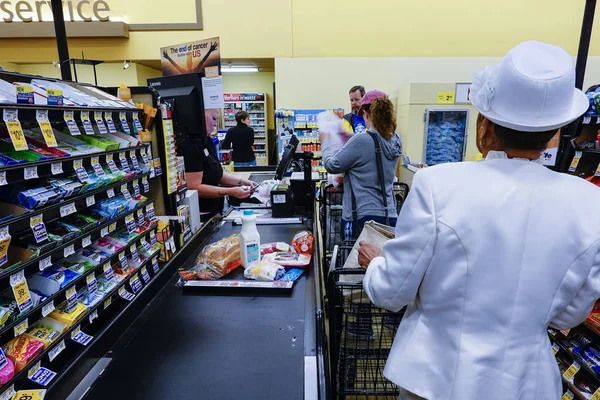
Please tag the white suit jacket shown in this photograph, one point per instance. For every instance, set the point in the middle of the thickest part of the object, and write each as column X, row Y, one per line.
column 487, row 255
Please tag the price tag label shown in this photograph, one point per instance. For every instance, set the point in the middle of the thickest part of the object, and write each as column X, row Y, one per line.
column 111, row 164
column 86, row 241
column 596, row 395
column 571, row 371
column 48, row 308
column 135, row 255
column 3, row 361
column 575, row 161
column 150, row 211
column 3, row 180
column 136, row 189
column 67, row 209
column 93, row 316
column 134, row 160
column 83, row 338
column 125, row 192
column 104, row 231
column 155, row 264
column 39, row 228
column 4, row 243
column 146, row 245
column 71, row 124
column 100, row 122
column 42, row 118
column 87, row 123
column 30, row 172
column 21, row 328
column 597, row 173
column 123, row 261
column 145, row 275
column 9, row 393
column 97, row 167
column 17, row 137
column 124, row 123
column 21, row 291
column 90, row 201
column 92, row 284
column 123, row 161
column 107, row 303
column 52, row 354
column 153, row 239
column 110, row 193
column 568, row 396
column 45, row 263
column 135, row 283
column 80, row 170
column 555, row 348
column 587, row 120
column 136, row 122
column 34, row 369
column 109, row 122
column 140, row 218
column 69, row 250
column 112, row 227
column 145, row 157
column 145, row 184
column 43, row 376
column 71, row 295
column 565, row 332
column 57, row 168
column 157, row 167
column 75, row 331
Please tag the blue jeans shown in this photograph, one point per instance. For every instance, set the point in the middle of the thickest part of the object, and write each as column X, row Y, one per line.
column 245, row 164
column 348, row 227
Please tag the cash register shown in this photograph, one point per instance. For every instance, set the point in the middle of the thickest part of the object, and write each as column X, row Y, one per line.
column 282, row 197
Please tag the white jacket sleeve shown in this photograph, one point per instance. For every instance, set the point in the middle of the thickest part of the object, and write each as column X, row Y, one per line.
column 392, row 281
column 581, row 306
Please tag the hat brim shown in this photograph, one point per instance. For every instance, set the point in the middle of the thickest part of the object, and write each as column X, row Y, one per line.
column 579, row 106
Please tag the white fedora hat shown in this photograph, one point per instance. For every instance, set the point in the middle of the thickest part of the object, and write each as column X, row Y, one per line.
column 531, row 90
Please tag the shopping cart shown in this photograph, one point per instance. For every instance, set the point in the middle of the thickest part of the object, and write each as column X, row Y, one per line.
column 361, row 335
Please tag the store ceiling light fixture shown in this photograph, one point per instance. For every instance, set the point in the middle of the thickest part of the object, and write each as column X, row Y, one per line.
column 239, row 68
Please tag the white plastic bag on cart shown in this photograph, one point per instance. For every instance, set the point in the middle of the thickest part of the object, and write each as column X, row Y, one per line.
column 263, row 191
column 332, row 125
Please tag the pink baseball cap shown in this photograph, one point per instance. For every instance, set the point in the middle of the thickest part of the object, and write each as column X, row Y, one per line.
column 372, row 95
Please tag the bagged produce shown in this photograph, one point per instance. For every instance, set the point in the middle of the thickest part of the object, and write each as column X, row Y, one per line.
column 303, row 242
column 264, row 271
column 288, row 259
column 216, row 260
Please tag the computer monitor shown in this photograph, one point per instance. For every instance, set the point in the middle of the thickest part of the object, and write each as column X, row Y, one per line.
column 287, row 157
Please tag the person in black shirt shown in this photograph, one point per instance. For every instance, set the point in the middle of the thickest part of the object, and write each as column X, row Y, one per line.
column 242, row 139
column 205, row 174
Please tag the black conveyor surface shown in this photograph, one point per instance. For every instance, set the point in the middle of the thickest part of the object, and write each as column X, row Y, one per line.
column 214, row 345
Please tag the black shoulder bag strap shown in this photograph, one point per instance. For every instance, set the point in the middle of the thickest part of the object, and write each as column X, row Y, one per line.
column 381, row 175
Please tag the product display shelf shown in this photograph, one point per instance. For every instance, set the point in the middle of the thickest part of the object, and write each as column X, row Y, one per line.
column 7, row 332
column 44, row 169
column 79, row 202
column 574, row 390
column 584, row 367
column 591, row 120
column 21, row 380
column 68, row 108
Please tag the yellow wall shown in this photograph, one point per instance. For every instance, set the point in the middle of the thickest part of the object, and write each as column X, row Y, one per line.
column 109, row 74
column 253, row 82
column 143, row 73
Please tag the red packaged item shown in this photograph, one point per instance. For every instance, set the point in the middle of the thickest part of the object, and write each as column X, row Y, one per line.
column 304, row 242
column 269, row 248
column 289, row 260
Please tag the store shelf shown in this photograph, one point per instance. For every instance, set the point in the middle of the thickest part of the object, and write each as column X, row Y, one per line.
column 67, row 108
column 575, row 357
column 591, row 120
column 22, row 377
column 7, row 332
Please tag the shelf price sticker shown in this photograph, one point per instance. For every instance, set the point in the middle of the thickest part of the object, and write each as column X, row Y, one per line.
column 153, row 239
column 9, row 393
column 90, row 201
column 69, row 250
column 71, row 296
column 145, row 275
column 108, row 272
column 123, row 261
column 146, row 245
column 155, row 265
column 124, row 123
column 30, row 172
column 136, row 188
column 4, row 243
column 48, row 308
column 92, row 284
column 3, row 180
column 568, row 396
column 134, row 160
column 112, row 227
column 17, row 137
column 555, row 348
column 136, row 122
column 130, row 223
column 111, row 164
column 107, row 302
column 34, row 369
column 140, row 218
column 571, row 371
column 43, row 376
column 125, row 294
column 82, row 338
column 157, row 167
column 123, row 161
column 41, row 117
column 125, row 192
column 71, row 124
column 135, row 283
column 100, row 122
column 145, row 156
column 57, row 168
column 145, row 184
column 39, row 228
column 21, row 328
column 575, row 161
column 87, row 123
column 21, row 291
column 109, row 122
column 135, row 254
column 3, row 361
column 104, row 231
column 110, row 193
column 52, row 354
column 67, row 209
column 93, row 316
column 45, row 263
column 86, row 241
column 150, row 211
column 97, row 167
column 80, row 170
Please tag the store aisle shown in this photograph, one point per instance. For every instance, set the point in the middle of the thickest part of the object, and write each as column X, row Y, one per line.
column 214, row 346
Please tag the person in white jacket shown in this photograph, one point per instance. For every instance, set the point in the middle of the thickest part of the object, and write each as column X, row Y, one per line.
column 488, row 255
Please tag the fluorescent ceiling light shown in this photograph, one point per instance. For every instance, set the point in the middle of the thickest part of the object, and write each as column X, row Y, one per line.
column 239, row 69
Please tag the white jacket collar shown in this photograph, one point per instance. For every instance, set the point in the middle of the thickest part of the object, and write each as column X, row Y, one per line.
column 500, row 155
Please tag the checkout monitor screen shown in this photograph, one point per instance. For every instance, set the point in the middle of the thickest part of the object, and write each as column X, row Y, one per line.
column 287, row 157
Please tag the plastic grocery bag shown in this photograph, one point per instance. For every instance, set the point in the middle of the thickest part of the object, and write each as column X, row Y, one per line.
column 332, row 125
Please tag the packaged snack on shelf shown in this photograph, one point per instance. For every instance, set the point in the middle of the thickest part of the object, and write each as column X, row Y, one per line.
column 9, row 310
column 264, row 271
column 216, row 260
column 289, row 259
column 94, row 255
column 29, row 242
column 7, row 373
column 105, row 286
column 51, row 280
column 61, row 314
column 60, row 233
column 303, row 242
column 89, row 300
column 109, row 245
column 275, row 247
column 22, row 350
column 46, row 330
column 75, row 263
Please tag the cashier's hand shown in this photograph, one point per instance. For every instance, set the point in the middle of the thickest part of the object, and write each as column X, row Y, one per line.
column 366, row 253
column 252, row 184
column 241, row 192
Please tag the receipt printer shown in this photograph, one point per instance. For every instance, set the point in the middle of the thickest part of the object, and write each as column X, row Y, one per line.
column 282, row 201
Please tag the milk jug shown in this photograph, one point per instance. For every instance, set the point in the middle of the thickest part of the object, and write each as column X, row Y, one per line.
column 249, row 239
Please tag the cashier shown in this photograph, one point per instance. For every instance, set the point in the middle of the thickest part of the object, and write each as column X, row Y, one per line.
column 205, row 174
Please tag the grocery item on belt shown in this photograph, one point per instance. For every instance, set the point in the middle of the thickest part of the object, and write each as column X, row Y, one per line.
column 216, row 260
column 289, row 259
column 264, row 271
column 22, row 350
column 275, row 247
column 303, row 242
